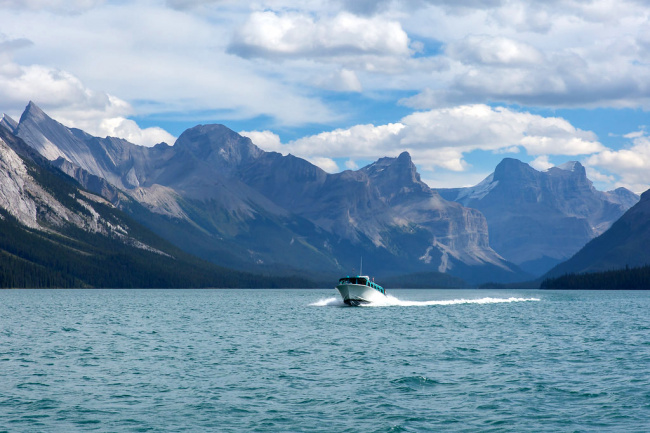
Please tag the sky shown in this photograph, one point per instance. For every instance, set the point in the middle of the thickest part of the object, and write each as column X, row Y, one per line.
column 459, row 84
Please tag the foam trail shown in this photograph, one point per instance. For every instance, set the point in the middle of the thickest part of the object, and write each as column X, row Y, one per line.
column 392, row 301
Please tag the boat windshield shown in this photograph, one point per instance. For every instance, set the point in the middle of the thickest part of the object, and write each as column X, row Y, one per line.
column 354, row 280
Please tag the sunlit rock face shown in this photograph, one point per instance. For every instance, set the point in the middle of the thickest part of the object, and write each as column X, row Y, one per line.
column 29, row 194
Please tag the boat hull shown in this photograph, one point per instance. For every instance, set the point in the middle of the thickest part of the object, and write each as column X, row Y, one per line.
column 357, row 294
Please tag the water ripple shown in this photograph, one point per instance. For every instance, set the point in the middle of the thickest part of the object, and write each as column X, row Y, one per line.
column 263, row 361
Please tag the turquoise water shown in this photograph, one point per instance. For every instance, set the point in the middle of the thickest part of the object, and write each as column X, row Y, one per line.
column 299, row 361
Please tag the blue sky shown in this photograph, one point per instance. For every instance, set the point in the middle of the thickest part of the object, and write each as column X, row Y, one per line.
column 458, row 84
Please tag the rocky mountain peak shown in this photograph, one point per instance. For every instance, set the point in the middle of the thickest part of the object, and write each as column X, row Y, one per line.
column 399, row 169
column 34, row 112
column 571, row 168
column 396, row 177
column 8, row 123
column 510, row 169
column 218, row 144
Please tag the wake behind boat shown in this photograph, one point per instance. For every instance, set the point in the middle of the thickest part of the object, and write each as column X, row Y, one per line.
column 360, row 290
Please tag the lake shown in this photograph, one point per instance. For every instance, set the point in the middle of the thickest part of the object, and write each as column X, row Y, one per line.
column 300, row 361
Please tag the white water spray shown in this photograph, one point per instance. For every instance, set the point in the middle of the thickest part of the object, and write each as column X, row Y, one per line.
column 392, row 301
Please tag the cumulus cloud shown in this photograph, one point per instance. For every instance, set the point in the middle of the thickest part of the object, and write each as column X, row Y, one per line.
column 64, row 97
column 327, row 164
column 344, row 80
column 441, row 138
column 587, row 54
column 494, row 50
column 267, row 140
column 541, row 163
column 130, row 131
column 631, row 165
column 167, row 62
column 291, row 35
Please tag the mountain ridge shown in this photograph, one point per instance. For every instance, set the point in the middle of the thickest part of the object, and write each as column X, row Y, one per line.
column 238, row 205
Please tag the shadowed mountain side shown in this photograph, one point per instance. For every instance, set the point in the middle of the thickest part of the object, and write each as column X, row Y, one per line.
column 624, row 244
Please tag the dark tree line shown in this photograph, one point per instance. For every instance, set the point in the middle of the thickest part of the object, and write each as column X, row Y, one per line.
column 623, row 279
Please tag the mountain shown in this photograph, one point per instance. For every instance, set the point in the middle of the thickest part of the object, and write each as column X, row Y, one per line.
column 54, row 233
column 217, row 195
column 540, row 218
column 184, row 193
column 625, row 244
column 387, row 208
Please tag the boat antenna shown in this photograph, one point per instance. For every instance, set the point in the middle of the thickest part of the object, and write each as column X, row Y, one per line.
column 361, row 267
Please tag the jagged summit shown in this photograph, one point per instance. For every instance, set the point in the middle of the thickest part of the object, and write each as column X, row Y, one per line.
column 570, row 166
column 8, row 123
column 35, row 114
column 402, row 167
column 396, row 177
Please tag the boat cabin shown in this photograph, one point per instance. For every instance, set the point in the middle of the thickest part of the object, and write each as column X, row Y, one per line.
column 362, row 281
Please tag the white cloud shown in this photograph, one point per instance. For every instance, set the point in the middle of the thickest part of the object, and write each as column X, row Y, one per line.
column 68, row 100
column 266, row 140
column 130, row 131
column 274, row 35
column 541, row 163
column 631, row 165
column 441, row 138
column 578, row 54
column 494, row 50
column 327, row 164
column 344, row 80
column 360, row 141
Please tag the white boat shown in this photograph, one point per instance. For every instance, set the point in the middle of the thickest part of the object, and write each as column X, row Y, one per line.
column 360, row 290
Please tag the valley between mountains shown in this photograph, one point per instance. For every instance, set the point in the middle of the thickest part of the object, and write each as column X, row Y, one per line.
column 215, row 210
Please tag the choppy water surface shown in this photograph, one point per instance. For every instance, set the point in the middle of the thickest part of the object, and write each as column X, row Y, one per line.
column 298, row 360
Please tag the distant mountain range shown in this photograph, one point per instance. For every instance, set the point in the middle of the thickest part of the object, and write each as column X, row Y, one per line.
column 538, row 219
column 216, row 195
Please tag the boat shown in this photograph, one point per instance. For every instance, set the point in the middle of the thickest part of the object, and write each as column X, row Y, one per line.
column 360, row 290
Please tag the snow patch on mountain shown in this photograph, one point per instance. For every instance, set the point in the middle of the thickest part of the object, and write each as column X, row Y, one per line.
column 478, row 191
